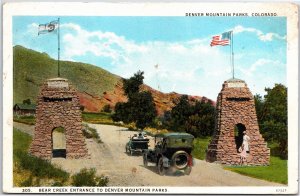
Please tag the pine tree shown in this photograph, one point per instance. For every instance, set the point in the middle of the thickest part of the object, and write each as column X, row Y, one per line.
column 140, row 107
column 272, row 116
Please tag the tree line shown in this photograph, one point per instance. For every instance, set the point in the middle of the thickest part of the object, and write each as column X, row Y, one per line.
column 272, row 117
column 195, row 118
column 198, row 117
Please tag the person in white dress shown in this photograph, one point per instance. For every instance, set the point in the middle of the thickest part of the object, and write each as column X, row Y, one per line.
column 246, row 140
column 243, row 155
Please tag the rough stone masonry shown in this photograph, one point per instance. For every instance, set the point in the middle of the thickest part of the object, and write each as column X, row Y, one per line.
column 58, row 106
column 236, row 110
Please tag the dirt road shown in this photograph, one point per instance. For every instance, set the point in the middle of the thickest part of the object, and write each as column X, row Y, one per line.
column 109, row 158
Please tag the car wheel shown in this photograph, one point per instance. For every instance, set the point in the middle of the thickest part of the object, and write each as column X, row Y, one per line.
column 145, row 160
column 160, row 167
column 187, row 170
column 180, row 159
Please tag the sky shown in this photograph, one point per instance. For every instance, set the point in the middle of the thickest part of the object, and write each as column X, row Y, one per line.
column 174, row 52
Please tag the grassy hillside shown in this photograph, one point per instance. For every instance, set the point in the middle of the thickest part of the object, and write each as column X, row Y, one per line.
column 32, row 68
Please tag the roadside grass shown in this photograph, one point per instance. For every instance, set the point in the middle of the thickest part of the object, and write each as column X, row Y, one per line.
column 94, row 118
column 90, row 132
column 29, row 120
column 32, row 171
column 98, row 118
column 39, row 167
column 275, row 172
column 21, row 141
column 200, row 146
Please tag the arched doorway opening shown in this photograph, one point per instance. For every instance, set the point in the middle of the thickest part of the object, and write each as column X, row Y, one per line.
column 238, row 134
column 58, row 142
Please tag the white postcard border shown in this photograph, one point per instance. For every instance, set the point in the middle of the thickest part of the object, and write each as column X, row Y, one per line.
column 155, row 9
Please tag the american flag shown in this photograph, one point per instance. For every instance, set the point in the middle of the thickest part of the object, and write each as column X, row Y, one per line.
column 222, row 40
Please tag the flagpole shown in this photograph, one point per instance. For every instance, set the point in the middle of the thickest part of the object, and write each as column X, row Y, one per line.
column 232, row 56
column 58, row 49
column 230, row 51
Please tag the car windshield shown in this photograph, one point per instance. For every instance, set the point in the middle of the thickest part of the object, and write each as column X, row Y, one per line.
column 179, row 142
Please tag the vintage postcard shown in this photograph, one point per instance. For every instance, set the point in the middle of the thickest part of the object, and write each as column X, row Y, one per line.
column 150, row 98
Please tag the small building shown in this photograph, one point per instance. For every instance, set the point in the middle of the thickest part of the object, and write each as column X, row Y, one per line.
column 21, row 109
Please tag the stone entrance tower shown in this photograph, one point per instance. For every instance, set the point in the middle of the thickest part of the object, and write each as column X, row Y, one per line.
column 58, row 106
column 235, row 113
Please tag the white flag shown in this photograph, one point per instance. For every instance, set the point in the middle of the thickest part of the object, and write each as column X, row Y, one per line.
column 48, row 28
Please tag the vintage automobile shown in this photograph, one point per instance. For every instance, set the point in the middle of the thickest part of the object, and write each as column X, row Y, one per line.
column 172, row 151
column 137, row 143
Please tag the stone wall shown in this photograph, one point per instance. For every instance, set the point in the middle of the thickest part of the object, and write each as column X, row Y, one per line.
column 235, row 106
column 58, row 106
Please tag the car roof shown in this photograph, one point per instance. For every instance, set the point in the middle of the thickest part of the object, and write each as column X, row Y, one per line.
column 174, row 135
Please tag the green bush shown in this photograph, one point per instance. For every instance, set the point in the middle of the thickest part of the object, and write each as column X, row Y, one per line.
column 200, row 146
column 58, row 184
column 31, row 181
column 94, row 133
column 87, row 177
column 194, row 117
column 40, row 167
column 89, row 132
column 28, row 182
column 106, row 109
